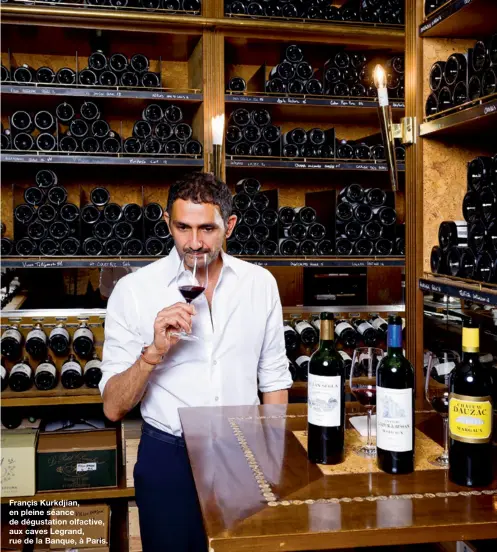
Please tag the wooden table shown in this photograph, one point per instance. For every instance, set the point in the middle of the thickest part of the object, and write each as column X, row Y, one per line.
column 258, row 492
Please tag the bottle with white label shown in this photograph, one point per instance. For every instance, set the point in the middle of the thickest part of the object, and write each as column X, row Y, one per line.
column 326, row 399
column 346, row 334
column 470, row 415
column 347, row 362
column 71, row 374
column 46, row 375
column 368, row 334
column 302, row 363
column 92, row 372
column 83, row 341
column 12, row 343
column 21, row 376
column 58, row 340
column 379, row 324
column 36, row 343
column 5, row 377
column 395, row 406
column 308, row 335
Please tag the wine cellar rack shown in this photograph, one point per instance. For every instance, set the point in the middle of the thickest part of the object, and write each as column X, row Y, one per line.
column 196, row 54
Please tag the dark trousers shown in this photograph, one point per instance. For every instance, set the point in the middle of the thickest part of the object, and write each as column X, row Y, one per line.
column 170, row 517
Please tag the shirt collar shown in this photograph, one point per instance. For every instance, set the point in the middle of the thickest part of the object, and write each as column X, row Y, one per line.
column 172, row 260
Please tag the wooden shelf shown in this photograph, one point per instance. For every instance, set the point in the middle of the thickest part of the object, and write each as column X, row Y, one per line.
column 53, row 397
column 481, row 120
column 114, row 262
column 461, row 18
column 233, row 162
column 34, row 157
column 464, row 290
column 114, row 93
column 79, row 494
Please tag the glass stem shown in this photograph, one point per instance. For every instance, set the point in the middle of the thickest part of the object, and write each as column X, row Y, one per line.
column 370, row 439
column 446, row 437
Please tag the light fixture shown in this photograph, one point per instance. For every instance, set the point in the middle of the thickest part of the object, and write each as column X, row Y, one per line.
column 387, row 127
column 217, row 144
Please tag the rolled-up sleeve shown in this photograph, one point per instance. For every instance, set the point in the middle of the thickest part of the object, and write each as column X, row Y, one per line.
column 273, row 372
column 123, row 343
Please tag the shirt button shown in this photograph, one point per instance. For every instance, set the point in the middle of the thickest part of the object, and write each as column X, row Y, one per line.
column 217, row 398
column 215, row 362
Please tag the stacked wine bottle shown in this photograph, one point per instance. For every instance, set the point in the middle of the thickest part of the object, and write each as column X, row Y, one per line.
column 302, row 337
column 159, row 132
column 11, row 286
column 107, row 71
column 468, row 248
column 366, row 224
column 21, row 353
column 345, row 74
column 464, row 77
column 388, row 12
column 184, row 7
column 262, row 230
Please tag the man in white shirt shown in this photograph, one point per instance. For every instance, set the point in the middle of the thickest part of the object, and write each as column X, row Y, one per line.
column 241, row 349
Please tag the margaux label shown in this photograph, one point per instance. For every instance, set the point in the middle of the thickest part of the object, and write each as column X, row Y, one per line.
column 470, row 418
column 394, row 421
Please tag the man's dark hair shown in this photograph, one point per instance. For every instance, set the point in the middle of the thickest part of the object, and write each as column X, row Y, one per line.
column 201, row 187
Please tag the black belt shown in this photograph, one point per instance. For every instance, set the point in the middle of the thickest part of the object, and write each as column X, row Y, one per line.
column 163, row 436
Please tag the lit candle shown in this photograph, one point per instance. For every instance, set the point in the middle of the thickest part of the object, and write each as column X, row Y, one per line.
column 380, row 81
column 218, row 130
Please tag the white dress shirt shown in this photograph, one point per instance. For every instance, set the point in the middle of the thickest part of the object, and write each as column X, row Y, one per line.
column 242, row 340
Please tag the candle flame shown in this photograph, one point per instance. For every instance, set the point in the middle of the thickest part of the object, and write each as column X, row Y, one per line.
column 217, row 129
column 380, row 77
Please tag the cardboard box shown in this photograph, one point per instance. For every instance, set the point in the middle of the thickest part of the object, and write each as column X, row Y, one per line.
column 134, row 537
column 77, row 460
column 95, row 536
column 18, row 462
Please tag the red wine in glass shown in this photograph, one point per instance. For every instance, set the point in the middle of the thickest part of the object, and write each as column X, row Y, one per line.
column 191, row 292
column 365, row 396
column 441, row 404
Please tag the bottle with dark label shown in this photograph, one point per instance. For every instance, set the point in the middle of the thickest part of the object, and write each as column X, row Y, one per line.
column 71, row 374
column 45, row 375
column 36, row 343
column 470, row 415
column 366, row 331
column 395, row 406
column 58, row 340
column 21, row 376
column 93, row 372
column 291, row 338
column 5, row 377
column 326, row 399
column 83, row 341
column 308, row 335
column 346, row 333
column 12, row 342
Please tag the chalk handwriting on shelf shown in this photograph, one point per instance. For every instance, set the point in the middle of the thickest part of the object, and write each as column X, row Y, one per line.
column 108, row 264
column 42, row 264
column 489, row 109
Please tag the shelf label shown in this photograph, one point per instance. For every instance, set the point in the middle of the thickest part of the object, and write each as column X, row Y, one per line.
column 108, row 264
column 42, row 264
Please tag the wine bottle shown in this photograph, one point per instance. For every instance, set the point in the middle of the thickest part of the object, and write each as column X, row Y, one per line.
column 36, row 343
column 395, row 406
column 58, row 340
column 83, row 341
column 353, row 193
column 438, row 260
column 5, row 377
column 242, row 201
column 139, row 63
column 97, row 61
column 286, row 216
column 346, row 333
column 344, row 247
column 249, row 186
column 21, row 376
column 302, row 363
column 71, row 374
column 367, row 332
column 484, row 267
column 477, row 236
column 455, row 69
column 307, row 334
column 288, row 247
column 45, row 377
column 237, row 84
column 92, row 372
column 118, row 63
column 379, row 324
column 305, row 215
column 234, row 247
column 461, row 262
column 326, row 399
column 24, row 74
column 470, row 415
column 11, row 344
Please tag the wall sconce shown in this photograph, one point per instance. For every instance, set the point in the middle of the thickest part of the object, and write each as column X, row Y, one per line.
column 217, row 144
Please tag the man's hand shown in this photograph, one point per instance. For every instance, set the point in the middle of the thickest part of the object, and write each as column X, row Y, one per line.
column 176, row 317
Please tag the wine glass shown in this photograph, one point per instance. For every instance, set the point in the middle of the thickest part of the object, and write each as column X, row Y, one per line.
column 192, row 279
column 438, row 371
column 365, row 362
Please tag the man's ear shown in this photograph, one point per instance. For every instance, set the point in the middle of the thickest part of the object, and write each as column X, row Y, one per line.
column 167, row 219
column 230, row 225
